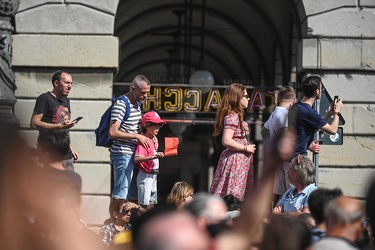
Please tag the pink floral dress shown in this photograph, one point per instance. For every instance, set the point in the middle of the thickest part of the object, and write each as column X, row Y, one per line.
column 234, row 173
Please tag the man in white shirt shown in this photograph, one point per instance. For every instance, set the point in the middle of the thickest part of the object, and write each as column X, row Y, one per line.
column 276, row 124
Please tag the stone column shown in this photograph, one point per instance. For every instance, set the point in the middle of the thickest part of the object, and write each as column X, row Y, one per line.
column 8, row 9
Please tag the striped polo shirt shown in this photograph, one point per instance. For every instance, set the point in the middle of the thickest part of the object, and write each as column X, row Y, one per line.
column 131, row 125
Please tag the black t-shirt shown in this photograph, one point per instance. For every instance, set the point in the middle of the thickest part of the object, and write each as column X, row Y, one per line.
column 58, row 177
column 54, row 111
column 48, row 183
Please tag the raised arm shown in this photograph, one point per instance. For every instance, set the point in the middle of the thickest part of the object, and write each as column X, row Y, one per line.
column 334, row 109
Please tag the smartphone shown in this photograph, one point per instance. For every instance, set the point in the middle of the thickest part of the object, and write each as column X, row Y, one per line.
column 77, row 119
column 335, row 100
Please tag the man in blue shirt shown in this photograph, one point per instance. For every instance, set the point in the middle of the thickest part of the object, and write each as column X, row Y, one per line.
column 305, row 120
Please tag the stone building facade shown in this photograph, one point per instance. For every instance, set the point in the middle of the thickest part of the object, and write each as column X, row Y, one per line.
column 337, row 42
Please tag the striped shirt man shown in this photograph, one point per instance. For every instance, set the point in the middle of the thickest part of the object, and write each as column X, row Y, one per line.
column 131, row 125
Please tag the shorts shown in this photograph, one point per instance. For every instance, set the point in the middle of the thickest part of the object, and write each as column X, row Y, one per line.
column 147, row 188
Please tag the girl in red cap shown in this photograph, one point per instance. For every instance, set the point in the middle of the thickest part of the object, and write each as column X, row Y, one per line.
column 147, row 160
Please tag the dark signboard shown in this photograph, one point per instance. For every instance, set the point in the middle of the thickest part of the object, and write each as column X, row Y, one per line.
column 200, row 99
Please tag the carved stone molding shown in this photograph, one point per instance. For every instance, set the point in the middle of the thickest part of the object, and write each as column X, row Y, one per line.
column 8, row 9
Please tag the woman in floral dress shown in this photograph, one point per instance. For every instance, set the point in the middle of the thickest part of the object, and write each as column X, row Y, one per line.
column 234, row 173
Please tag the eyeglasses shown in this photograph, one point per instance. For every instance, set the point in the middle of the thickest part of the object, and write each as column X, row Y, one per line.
column 246, row 96
column 126, row 211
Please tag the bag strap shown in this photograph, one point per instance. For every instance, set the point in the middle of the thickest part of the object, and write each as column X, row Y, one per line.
column 127, row 111
column 127, row 103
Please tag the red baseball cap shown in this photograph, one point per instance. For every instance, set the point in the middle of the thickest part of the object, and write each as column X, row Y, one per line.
column 153, row 117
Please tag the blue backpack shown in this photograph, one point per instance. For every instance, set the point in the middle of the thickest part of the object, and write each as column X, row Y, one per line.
column 102, row 132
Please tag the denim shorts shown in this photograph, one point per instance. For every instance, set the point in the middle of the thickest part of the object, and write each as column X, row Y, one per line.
column 123, row 166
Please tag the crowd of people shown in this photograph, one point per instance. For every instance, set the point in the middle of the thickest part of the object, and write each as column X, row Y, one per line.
column 285, row 210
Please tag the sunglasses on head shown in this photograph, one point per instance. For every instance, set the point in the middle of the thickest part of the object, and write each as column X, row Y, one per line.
column 126, row 211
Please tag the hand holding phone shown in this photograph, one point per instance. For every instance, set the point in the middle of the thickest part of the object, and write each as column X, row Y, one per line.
column 336, row 99
column 77, row 119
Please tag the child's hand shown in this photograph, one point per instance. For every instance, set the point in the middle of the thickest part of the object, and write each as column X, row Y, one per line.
column 130, row 205
column 277, row 209
column 160, row 154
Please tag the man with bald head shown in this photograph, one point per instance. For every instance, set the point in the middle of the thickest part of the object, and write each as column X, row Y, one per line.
column 209, row 211
column 169, row 230
column 344, row 220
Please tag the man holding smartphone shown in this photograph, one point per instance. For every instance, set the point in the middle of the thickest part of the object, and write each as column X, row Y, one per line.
column 52, row 111
column 304, row 120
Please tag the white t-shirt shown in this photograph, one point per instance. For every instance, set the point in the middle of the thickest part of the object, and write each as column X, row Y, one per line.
column 277, row 121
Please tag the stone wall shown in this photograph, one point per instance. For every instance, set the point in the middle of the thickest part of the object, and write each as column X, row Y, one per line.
column 340, row 45
column 76, row 36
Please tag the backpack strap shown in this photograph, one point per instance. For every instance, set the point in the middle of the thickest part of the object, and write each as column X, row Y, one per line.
column 127, row 111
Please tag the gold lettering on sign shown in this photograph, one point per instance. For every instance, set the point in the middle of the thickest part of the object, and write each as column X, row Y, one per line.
column 176, row 103
column 154, row 98
column 272, row 95
column 213, row 100
column 196, row 95
column 190, row 99
column 256, row 100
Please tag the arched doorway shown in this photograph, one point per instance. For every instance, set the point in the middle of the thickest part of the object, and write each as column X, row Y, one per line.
column 243, row 41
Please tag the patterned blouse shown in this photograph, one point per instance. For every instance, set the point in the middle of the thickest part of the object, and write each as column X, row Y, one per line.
column 109, row 231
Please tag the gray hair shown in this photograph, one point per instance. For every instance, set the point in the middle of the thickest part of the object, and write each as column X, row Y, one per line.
column 139, row 79
column 202, row 203
column 305, row 169
column 336, row 214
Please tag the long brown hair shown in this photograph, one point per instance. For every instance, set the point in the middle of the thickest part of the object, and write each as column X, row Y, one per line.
column 230, row 103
